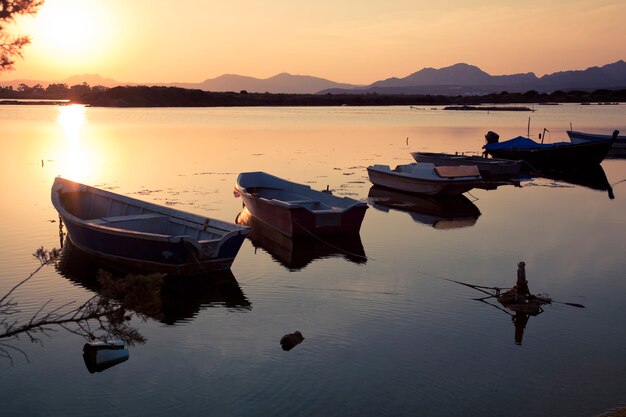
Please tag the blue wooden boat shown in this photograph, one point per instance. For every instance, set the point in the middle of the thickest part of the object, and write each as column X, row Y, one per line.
column 142, row 235
column 558, row 155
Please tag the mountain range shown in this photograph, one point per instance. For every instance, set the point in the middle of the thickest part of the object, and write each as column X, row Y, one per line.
column 458, row 79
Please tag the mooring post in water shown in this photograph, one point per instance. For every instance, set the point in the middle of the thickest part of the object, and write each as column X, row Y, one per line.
column 522, row 284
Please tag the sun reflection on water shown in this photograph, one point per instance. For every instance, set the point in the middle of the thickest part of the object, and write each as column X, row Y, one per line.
column 78, row 159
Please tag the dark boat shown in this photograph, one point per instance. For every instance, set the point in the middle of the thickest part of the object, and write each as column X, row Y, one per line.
column 582, row 137
column 296, row 209
column 144, row 235
column 488, row 167
column 541, row 156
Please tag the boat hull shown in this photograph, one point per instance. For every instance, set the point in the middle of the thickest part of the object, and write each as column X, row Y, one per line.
column 300, row 221
column 558, row 156
column 581, row 137
column 174, row 258
column 421, row 186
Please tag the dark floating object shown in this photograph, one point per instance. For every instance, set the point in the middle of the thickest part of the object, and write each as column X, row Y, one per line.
column 99, row 356
column 542, row 156
column 291, row 340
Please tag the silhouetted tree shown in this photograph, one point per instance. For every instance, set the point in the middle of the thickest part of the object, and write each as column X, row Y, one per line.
column 57, row 90
column 79, row 90
column 11, row 46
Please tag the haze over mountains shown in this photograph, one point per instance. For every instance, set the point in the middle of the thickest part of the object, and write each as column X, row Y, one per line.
column 458, row 79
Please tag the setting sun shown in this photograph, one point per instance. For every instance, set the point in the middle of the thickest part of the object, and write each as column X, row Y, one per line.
column 71, row 33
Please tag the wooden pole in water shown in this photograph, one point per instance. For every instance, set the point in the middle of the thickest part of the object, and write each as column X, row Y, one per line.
column 522, row 284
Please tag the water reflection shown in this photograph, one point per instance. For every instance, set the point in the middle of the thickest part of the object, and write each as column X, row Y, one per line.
column 77, row 160
column 100, row 356
column 592, row 177
column 438, row 211
column 97, row 319
column 516, row 302
column 172, row 300
column 294, row 253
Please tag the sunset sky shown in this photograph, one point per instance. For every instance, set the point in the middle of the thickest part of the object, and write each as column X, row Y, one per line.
column 348, row 41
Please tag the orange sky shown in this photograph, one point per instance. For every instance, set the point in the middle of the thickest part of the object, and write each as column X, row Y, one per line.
column 348, row 41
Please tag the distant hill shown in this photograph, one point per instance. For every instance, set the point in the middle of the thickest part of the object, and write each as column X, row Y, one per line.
column 464, row 79
column 92, row 80
column 458, row 79
column 458, row 74
column 281, row 83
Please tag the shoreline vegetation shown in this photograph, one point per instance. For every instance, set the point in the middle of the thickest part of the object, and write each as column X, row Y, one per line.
column 143, row 96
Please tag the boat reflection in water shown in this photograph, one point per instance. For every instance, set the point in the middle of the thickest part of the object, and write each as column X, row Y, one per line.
column 100, row 356
column 440, row 212
column 167, row 299
column 592, row 177
column 295, row 253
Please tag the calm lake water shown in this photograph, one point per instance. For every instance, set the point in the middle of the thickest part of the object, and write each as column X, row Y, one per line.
column 386, row 333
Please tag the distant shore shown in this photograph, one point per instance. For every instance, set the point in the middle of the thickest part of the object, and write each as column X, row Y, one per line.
column 142, row 96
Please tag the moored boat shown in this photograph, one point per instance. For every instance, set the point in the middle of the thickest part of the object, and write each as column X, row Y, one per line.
column 581, row 137
column 296, row 209
column 488, row 167
column 142, row 235
column 558, row 155
column 426, row 178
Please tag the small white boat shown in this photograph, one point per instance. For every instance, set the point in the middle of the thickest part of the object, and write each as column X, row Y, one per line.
column 295, row 209
column 426, row 178
column 142, row 235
